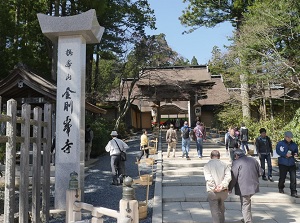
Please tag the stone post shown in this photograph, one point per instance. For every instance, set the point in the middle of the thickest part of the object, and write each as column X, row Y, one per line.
column 72, row 195
column 129, row 206
column 72, row 34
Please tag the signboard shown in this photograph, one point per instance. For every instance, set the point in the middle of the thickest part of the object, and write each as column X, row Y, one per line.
column 198, row 111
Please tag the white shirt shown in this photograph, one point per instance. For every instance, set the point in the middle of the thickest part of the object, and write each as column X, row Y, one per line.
column 216, row 173
column 113, row 148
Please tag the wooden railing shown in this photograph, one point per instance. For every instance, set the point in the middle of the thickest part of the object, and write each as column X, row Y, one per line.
column 41, row 142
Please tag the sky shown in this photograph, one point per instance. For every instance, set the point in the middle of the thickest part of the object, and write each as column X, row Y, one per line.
column 199, row 43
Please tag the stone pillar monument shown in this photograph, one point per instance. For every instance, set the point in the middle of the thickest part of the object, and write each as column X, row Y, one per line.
column 72, row 34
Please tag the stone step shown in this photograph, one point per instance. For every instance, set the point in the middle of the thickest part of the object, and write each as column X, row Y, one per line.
column 191, row 212
column 199, row 180
column 188, row 172
column 183, row 171
column 199, row 194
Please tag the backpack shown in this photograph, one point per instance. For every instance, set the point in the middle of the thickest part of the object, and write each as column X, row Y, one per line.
column 244, row 133
column 88, row 135
column 186, row 133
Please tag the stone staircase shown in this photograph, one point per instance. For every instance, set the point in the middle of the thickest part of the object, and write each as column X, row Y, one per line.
column 184, row 197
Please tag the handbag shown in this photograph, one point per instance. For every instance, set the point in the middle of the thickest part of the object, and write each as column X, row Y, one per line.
column 122, row 153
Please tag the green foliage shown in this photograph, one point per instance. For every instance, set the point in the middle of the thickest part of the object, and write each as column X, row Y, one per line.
column 194, row 61
column 273, row 127
column 224, row 63
column 102, row 130
column 209, row 13
column 21, row 39
column 294, row 127
column 230, row 115
column 268, row 43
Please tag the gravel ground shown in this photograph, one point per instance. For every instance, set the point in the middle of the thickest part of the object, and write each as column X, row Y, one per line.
column 98, row 190
column 99, row 193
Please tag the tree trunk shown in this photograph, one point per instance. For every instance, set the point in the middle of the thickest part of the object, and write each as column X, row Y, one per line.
column 245, row 96
column 271, row 103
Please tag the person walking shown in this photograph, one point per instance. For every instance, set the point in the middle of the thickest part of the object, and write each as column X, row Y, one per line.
column 232, row 143
column 200, row 134
column 89, row 136
column 245, row 181
column 287, row 151
column 186, row 141
column 143, row 145
column 171, row 138
column 264, row 150
column 244, row 137
column 114, row 147
column 217, row 176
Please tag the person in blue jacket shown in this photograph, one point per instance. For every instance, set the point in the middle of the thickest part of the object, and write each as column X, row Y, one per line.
column 287, row 151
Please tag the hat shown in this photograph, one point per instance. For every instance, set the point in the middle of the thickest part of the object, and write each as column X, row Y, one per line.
column 171, row 126
column 288, row 134
column 114, row 133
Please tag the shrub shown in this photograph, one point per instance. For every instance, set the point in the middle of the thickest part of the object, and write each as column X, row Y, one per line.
column 230, row 115
column 102, row 129
column 294, row 127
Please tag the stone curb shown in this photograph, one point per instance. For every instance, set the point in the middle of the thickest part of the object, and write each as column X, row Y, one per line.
column 157, row 201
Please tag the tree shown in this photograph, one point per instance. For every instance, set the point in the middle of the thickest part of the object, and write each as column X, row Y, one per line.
column 268, row 48
column 209, row 13
column 194, row 61
column 150, row 51
column 269, row 38
column 21, row 39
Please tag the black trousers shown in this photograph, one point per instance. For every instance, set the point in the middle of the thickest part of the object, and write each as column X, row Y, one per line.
column 262, row 159
column 282, row 175
column 142, row 153
column 117, row 168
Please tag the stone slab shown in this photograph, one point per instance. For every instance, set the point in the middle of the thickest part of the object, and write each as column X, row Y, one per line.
column 85, row 24
column 261, row 212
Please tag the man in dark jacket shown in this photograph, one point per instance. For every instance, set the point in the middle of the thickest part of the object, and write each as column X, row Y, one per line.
column 232, row 143
column 287, row 151
column 244, row 137
column 245, row 173
column 264, row 151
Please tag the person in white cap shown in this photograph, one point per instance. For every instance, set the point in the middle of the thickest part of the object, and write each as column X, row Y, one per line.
column 287, row 151
column 114, row 147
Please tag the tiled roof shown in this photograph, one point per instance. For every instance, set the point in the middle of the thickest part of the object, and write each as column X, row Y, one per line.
column 35, row 84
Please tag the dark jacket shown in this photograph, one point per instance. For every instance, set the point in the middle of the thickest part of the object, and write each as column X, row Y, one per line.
column 245, row 173
column 244, row 135
column 263, row 147
column 282, row 148
column 232, row 142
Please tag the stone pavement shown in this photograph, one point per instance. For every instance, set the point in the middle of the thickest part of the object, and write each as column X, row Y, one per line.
column 180, row 193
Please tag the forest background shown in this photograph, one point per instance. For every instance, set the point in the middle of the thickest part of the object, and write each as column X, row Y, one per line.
column 264, row 53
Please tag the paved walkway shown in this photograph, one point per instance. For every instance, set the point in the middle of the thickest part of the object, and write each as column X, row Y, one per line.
column 180, row 193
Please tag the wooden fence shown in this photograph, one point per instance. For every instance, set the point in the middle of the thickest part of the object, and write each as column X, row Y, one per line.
column 35, row 133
